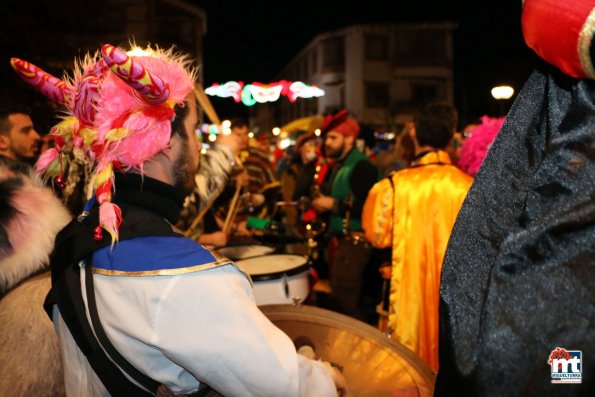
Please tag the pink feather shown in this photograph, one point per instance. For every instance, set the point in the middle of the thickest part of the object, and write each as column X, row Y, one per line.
column 110, row 218
column 46, row 159
column 478, row 143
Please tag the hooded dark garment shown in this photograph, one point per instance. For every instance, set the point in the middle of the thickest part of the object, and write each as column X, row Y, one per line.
column 518, row 278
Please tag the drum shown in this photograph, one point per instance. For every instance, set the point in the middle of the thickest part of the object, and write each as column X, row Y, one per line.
column 278, row 279
column 372, row 364
column 238, row 252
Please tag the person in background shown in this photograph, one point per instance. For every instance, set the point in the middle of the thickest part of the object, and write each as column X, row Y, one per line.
column 162, row 310
column 398, row 155
column 18, row 138
column 517, row 302
column 413, row 212
column 342, row 198
column 217, row 166
column 30, row 218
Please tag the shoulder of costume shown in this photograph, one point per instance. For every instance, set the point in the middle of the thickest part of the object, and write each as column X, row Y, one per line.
column 147, row 244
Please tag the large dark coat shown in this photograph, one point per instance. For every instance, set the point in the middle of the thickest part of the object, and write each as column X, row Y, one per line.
column 518, row 278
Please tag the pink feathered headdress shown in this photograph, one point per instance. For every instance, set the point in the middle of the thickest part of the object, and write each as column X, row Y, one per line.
column 119, row 112
column 478, row 142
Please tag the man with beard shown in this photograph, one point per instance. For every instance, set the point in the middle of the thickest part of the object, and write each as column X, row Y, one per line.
column 18, row 138
column 139, row 309
column 343, row 196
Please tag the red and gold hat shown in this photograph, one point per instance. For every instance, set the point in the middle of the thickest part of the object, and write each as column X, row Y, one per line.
column 340, row 122
column 561, row 32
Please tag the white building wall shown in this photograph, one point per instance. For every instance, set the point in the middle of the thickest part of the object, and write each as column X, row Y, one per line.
column 347, row 87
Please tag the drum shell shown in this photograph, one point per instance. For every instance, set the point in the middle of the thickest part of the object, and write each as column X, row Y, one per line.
column 286, row 286
column 372, row 364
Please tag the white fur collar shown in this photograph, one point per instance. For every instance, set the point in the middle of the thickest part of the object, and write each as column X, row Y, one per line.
column 39, row 216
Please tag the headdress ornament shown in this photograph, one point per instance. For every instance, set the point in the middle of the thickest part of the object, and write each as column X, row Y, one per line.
column 119, row 110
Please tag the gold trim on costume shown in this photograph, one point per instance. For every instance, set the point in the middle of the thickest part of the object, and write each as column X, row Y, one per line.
column 165, row 272
column 584, row 44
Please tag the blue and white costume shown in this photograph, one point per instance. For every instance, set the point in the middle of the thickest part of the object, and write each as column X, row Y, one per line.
column 183, row 315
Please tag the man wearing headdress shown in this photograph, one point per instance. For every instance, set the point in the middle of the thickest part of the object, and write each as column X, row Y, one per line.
column 344, row 194
column 139, row 309
column 517, row 302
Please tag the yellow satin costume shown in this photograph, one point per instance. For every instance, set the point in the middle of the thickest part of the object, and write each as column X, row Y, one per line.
column 424, row 204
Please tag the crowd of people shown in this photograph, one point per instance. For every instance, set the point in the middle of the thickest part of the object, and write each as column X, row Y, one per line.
column 470, row 264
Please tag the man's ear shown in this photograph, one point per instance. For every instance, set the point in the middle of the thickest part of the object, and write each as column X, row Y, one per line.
column 4, row 142
column 350, row 140
column 167, row 150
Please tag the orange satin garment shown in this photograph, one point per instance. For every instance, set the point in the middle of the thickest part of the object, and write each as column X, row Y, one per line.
column 427, row 199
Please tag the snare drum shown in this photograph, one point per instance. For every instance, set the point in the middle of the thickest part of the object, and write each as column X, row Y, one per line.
column 278, row 279
column 238, row 252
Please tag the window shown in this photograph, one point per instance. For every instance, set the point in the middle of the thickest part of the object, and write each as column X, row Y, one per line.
column 422, row 93
column 333, row 53
column 377, row 95
column 376, row 48
column 428, row 46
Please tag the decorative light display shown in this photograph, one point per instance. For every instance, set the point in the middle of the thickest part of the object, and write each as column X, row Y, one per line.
column 249, row 94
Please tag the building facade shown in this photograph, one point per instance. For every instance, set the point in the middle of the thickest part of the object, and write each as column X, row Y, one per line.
column 381, row 73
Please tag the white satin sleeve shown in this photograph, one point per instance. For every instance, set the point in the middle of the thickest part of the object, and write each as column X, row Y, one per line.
column 208, row 323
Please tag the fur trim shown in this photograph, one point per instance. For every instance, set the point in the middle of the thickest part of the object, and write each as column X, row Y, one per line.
column 30, row 363
column 36, row 217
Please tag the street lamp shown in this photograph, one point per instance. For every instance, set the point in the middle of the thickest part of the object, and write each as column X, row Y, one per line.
column 501, row 94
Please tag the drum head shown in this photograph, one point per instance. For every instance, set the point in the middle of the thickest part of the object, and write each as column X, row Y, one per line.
column 245, row 251
column 373, row 365
column 273, row 266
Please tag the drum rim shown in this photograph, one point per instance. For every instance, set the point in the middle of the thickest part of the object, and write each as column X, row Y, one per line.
column 332, row 318
column 277, row 275
column 247, row 245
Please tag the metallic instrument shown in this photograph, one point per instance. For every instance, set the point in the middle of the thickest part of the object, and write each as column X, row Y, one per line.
column 372, row 364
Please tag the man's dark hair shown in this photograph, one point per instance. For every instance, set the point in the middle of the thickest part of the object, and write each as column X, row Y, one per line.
column 177, row 124
column 239, row 123
column 6, row 109
column 435, row 124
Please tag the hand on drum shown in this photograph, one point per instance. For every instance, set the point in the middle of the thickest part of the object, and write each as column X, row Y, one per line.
column 323, row 203
column 306, row 348
column 217, row 239
column 339, row 380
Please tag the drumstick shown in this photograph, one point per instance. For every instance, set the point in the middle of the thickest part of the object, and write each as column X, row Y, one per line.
column 205, row 103
column 232, row 209
column 196, row 221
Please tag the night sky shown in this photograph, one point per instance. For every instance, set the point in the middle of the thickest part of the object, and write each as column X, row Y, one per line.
column 253, row 40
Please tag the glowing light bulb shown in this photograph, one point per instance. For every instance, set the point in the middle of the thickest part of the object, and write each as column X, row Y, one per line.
column 502, row 92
